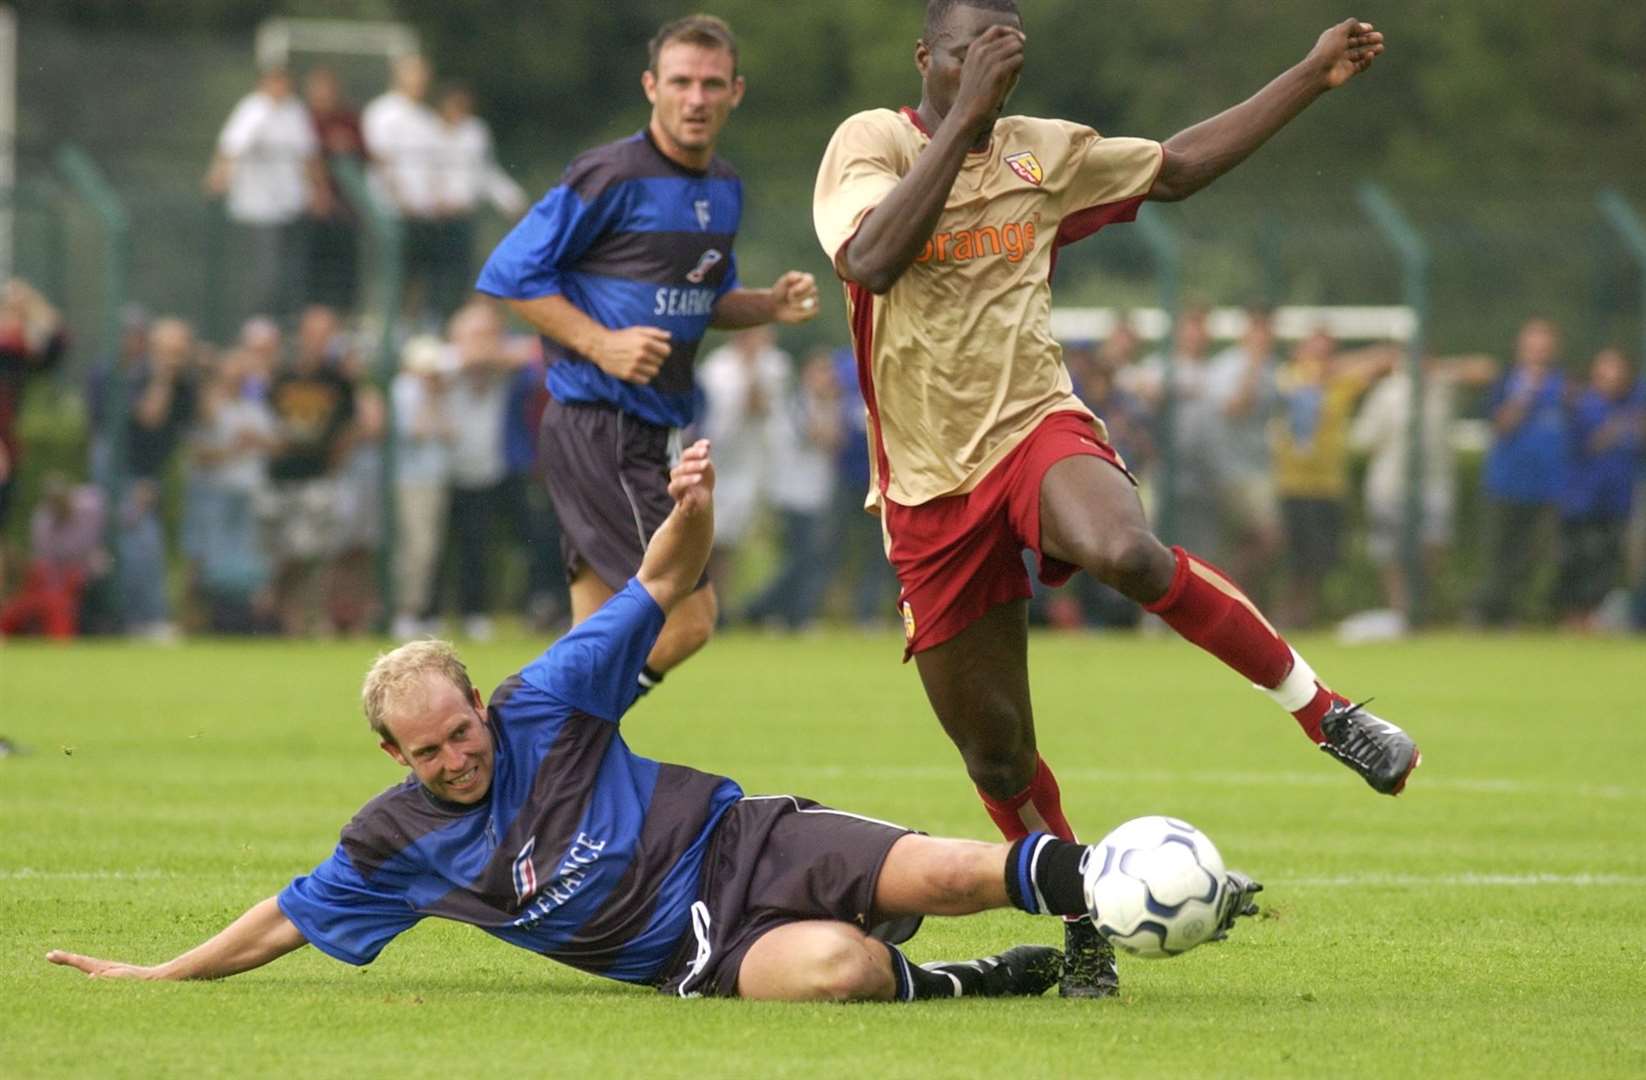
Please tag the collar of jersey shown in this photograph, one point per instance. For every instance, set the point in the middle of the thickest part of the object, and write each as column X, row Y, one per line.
column 914, row 118
column 696, row 174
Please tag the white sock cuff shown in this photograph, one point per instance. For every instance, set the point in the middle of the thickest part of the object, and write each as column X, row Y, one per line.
column 1297, row 689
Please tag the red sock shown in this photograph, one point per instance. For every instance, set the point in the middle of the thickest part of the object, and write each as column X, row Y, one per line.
column 1208, row 609
column 1037, row 808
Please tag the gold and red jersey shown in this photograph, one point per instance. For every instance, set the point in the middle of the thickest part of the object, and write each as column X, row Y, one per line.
column 957, row 361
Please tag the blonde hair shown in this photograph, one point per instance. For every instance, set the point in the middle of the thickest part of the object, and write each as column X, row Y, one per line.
column 397, row 674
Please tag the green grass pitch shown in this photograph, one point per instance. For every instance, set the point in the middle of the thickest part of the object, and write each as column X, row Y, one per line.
column 1490, row 921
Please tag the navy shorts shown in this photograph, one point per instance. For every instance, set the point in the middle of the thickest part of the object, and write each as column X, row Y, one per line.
column 608, row 477
column 774, row 860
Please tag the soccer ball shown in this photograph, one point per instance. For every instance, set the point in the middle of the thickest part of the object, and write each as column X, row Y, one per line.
column 1154, row 885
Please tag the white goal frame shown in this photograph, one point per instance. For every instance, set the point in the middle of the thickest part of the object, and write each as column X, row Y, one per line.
column 1292, row 322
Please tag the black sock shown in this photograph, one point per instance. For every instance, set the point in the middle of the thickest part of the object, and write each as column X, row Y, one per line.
column 649, row 677
column 1043, row 875
column 915, row 983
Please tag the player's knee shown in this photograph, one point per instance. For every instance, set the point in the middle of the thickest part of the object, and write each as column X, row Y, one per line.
column 841, row 967
column 1134, row 562
column 1000, row 770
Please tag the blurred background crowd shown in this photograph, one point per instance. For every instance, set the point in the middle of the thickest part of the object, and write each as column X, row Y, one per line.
column 292, row 415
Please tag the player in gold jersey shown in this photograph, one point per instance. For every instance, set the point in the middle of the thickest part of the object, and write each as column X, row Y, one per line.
column 944, row 222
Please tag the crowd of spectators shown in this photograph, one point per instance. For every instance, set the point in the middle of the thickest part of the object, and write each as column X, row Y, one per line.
column 252, row 478
column 428, row 160
column 239, row 487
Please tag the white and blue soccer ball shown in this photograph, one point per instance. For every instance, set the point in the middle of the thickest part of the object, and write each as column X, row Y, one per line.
column 1154, row 885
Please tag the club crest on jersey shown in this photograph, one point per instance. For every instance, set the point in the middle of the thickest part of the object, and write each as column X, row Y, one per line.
column 525, row 875
column 1026, row 165
column 705, row 263
column 702, row 208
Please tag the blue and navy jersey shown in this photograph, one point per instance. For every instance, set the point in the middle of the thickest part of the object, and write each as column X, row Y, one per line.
column 630, row 238
column 583, row 851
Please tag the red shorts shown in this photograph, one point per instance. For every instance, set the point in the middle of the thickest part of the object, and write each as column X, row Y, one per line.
column 958, row 556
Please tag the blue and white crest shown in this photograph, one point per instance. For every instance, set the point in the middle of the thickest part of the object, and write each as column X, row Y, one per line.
column 525, row 875
column 702, row 208
column 704, row 265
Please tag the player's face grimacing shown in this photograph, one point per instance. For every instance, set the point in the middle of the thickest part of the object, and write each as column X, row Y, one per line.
column 693, row 92
column 941, row 55
column 443, row 738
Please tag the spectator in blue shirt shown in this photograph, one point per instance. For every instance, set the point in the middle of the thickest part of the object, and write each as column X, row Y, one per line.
column 1603, row 454
column 1523, row 470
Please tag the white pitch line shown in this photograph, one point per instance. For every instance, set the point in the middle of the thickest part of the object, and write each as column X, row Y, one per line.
column 1473, row 785
column 29, row 873
column 1491, row 881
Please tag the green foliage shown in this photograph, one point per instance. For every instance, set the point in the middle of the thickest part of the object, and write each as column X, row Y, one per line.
column 1495, row 121
column 1488, row 923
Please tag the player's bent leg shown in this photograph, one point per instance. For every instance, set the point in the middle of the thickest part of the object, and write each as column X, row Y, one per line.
column 817, row 960
column 687, row 629
column 927, row 875
column 978, row 685
column 1091, row 517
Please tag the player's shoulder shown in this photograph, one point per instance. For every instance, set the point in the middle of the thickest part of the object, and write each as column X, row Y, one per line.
column 389, row 824
column 609, row 165
column 605, row 166
column 1045, row 135
column 882, row 123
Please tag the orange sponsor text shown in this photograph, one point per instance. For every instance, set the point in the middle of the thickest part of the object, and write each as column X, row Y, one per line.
column 1013, row 241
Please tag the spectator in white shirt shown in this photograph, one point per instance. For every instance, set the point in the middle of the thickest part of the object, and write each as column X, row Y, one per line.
column 479, row 399
column 468, row 177
column 746, row 385
column 423, row 420
column 403, row 137
column 267, row 164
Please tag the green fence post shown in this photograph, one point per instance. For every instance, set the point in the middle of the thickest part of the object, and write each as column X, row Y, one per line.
column 1164, row 247
column 87, row 181
column 1631, row 229
column 1413, row 251
column 387, row 271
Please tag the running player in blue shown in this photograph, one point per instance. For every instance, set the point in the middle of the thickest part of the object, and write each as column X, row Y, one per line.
column 531, row 819
column 625, row 265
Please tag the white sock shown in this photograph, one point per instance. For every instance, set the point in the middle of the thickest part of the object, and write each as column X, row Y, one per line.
column 1297, row 689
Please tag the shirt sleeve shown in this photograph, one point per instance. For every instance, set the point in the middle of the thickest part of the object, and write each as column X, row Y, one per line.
column 859, row 169
column 342, row 915
column 553, row 235
column 595, row 669
column 240, row 128
column 1107, row 171
column 731, row 280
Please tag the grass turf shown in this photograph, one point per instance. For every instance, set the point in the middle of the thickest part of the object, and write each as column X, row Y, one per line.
column 1487, row 922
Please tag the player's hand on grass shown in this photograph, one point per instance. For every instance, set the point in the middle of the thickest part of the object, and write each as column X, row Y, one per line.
column 1238, row 890
column 691, row 482
column 634, row 354
column 102, row 969
column 1346, row 50
column 794, row 297
column 993, row 62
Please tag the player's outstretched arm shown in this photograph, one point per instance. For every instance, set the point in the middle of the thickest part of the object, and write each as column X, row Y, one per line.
column 679, row 549
column 633, row 354
column 792, row 299
column 1197, row 156
column 892, row 235
column 255, row 938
